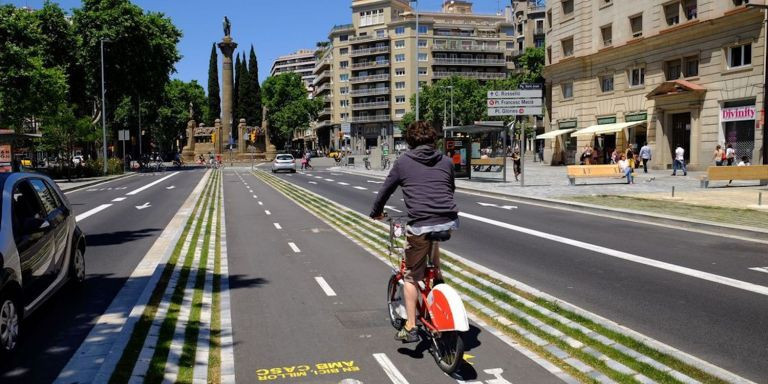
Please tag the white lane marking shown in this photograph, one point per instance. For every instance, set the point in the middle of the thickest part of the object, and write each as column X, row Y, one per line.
column 171, row 187
column 260, row 203
column 324, row 285
column 390, row 369
column 119, row 199
column 343, row 183
column 335, row 174
column 100, row 184
column 294, row 247
column 318, row 177
column 313, row 182
column 760, row 269
column 391, row 208
column 329, row 180
column 255, row 197
column 759, row 289
column 152, row 184
column 374, row 181
column 507, row 207
column 277, row 225
column 375, row 192
column 308, row 174
column 267, row 212
column 144, row 206
column 361, row 188
column 92, row 212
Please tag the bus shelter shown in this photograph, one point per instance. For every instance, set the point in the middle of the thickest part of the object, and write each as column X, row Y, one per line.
column 478, row 150
column 15, row 149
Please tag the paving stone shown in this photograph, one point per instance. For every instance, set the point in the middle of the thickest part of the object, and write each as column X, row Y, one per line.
column 559, row 353
column 619, row 367
column 579, row 365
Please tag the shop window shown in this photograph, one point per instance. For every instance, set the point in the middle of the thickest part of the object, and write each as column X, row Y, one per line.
column 672, row 69
column 636, row 25
column 567, row 89
column 567, row 47
column 740, row 56
column 691, row 66
column 740, row 133
column 606, row 83
column 637, row 77
column 607, row 34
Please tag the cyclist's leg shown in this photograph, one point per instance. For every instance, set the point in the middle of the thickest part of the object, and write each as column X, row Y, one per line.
column 416, row 263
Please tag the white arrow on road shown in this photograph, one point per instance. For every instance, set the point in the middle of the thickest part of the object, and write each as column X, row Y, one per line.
column 171, row 187
column 140, row 207
column 507, row 207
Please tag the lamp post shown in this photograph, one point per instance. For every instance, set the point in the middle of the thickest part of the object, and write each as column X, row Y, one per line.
column 103, row 107
column 451, row 88
column 765, row 78
column 415, row 5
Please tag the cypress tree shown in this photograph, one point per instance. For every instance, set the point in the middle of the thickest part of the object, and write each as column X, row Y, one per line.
column 236, row 91
column 214, row 98
column 242, row 85
column 253, row 109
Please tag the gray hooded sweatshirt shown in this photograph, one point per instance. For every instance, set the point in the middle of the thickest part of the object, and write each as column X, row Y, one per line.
column 426, row 177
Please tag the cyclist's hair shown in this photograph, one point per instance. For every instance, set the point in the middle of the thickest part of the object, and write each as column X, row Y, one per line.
column 420, row 133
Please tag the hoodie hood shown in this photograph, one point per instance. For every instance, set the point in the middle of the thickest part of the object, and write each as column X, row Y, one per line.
column 425, row 154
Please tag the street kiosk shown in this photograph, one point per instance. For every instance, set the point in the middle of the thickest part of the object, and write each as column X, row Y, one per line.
column 463, row 146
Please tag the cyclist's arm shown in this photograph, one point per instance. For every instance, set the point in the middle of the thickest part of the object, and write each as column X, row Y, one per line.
column 387, row 189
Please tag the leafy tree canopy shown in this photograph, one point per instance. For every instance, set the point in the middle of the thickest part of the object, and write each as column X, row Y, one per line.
column 288, row 107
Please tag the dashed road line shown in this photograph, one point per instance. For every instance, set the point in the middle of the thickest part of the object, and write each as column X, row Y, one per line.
column 267, row 212
column 260, row 203
column 294, row 247
column 325, row 286
column 343, row 183
column 313, row 182
column 118, row 199
column 255, row 197
column 390, row 369
column 391, row 208
column 152, row 184
column 277, row 226
column 92, row 212
column 361, row 188
column 329, row 180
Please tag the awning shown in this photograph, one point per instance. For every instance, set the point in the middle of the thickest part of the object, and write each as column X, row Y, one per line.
column 601, row 129
column 554, row 134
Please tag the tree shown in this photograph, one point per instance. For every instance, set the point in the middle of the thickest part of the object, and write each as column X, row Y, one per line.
column 532, row 62
column 236, row 87
column 469, row 103
column 173, row 113
column 288, row 107
column 243, row 94
column 252, row 107
column 214, row 99
column 62, row 132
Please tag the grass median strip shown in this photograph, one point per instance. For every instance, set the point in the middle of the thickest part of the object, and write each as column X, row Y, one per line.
column 214, row 356
column 619, row 357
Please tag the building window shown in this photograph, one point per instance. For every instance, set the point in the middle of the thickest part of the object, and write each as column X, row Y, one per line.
column 549, row 19
column 672, row 13
column 538, row 42
column 691, row 9
column 399, row 44
column 381, row 33
column 344, row 77
column 510, row 45
column 549, row 55
column 606, row 83
column 399, row 112
column 422, row 57
column 567, row 7
column 636, row 25
column 422, row 29
column 344, row 51
column 739, row 3
column 344, row 116
column 637, row 77
column 344, row 103
column 400, row 72
column 672, row 69
column 567, row 47
column 691, row 66
column 740, row 56
column 343, row 37
column 344, row 90
column 399, row 30
column 567, row 89
column 607, row 34
column 422, row 43
column 422, row 71
column 343, row 64
column 400, row 85
column 371, row 17
column 399, row 58
column 399, row 99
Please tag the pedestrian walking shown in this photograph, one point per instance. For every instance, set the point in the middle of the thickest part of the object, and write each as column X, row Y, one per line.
column 586, row 156
column 614, row 156
column 718, row 155
column 625, row 167
column 645, row 156
column 516, row 163
column 679, row 162
column 630, row 156
column 730, row 154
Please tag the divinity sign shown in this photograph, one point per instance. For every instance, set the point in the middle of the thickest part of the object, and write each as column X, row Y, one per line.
column 738, row 113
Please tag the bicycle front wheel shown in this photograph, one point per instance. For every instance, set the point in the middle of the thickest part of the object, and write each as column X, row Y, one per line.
column 394, row 300
column 448, row 351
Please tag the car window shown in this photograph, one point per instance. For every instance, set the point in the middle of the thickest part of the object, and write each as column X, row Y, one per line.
column 46, row 197
column 285, row 157
column 24, row 208
column 55, row 194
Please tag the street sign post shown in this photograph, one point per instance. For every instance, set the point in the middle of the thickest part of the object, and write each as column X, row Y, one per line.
column 514, row 111
column 514, row 102
column 515, row 94
column 124, row 135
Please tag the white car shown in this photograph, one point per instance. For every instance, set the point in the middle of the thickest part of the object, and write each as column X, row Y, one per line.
column 77, row 159
column 284, row 162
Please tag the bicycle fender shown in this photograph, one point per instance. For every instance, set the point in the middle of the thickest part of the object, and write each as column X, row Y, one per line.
column 446, row 309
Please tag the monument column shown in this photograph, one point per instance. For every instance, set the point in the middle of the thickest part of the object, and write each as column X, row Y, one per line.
column 227, row 47
column 241, row 136
column 270, row 150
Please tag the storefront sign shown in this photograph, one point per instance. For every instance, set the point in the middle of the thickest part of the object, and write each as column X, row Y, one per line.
column 636, row 117
column 567, row 124
column 738, row 113
column 606, row 120
column 5, row 153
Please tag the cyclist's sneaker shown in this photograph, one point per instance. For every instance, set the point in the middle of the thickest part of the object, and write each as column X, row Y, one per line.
column 411, row 336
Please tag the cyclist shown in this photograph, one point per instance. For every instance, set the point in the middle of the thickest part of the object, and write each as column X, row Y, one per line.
column 427, row 180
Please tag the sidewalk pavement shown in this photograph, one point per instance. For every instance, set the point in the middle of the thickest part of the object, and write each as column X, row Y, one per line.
column 85, row 182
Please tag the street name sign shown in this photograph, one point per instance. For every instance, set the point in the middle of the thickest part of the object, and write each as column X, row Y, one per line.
column 514, row 111
column 514, row 103
column 515, row 94
column 123, row 135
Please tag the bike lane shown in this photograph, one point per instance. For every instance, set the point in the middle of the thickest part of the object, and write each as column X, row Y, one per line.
column 308, row 305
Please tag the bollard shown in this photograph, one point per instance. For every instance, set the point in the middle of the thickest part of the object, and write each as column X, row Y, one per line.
column 673, row 191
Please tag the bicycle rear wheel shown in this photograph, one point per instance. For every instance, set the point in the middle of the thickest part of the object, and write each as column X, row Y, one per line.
column 448, row 351
column 394, row 299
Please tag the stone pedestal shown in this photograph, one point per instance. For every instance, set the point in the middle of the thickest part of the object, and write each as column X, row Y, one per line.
column 188, row 154
column 241, row 136
column 270, row 152
column 227, row 47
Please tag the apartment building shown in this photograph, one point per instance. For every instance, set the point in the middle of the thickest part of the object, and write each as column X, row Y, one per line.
column 528, row 19
column 301, row 62
column 684, row 73
column 368, row 71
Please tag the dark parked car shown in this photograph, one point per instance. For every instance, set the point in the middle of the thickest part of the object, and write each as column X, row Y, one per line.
column 41, row 248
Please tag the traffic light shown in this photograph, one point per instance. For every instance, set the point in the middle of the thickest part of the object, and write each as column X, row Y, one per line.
column 253, row 136
column 213, row 138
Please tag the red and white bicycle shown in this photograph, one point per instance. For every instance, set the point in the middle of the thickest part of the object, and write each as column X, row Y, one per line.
column 442, row 317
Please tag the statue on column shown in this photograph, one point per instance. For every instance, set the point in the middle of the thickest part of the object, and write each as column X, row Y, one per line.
column 227, row 26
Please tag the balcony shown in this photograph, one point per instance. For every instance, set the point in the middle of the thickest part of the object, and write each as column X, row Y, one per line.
column 369, row 118
column 467, row 48
column 472, row 75
column 369, row 51
column 370, row 79
column 325, row 75
column 373, row 105
column 323, row 124
column 370, row 91
column 370, row 64
column 325, row 63
column 458, row 61
column 343, row 27
column 325, row 112
column 369, row 38
column 322, row 88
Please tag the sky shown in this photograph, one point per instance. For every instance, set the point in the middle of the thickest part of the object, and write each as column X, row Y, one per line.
column 274, row 28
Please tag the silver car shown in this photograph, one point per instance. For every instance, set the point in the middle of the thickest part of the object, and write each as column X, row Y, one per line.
column 284, row 162
column 41, row 248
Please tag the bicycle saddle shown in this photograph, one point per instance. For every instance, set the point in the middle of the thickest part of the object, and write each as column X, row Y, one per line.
column 438, row 236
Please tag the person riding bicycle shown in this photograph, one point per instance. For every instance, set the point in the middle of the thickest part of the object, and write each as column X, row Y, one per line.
column 427, row 180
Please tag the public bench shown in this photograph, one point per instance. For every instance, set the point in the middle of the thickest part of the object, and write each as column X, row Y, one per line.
column 593, row 171
column 749, row 172
column 479, row 165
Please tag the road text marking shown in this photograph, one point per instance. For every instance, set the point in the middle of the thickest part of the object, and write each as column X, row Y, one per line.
column 324, row 285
